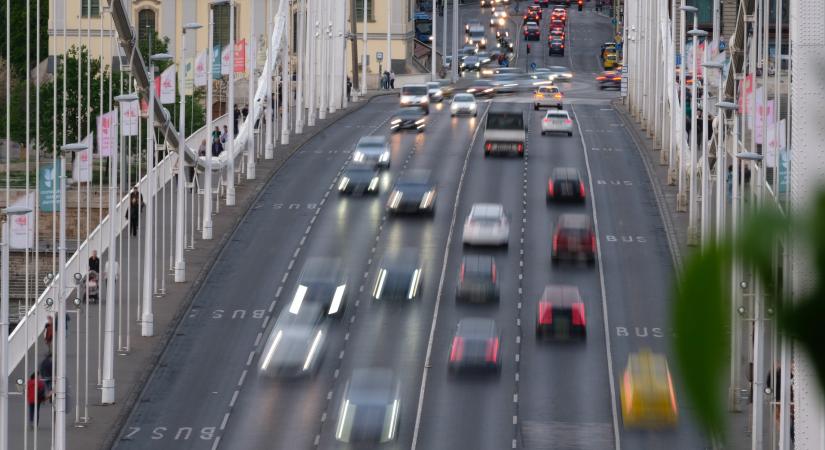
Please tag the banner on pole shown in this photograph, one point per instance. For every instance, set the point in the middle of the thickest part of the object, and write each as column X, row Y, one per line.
column 261, row 51
column 765, row 111
column 130, row 119
column 107, row 133
column 188, row 77
column 240, row 56
column 22, row 226
column 216, row 62
column 776, row 142
column 49, row 187
column 226, row 60
column 165, row 88
column 82, row 166
column 200, row 69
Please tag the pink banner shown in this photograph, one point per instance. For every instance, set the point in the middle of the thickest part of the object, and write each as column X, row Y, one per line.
column 130, row 112
column 240, row 56
column 200, row 69
column 226, row 59
column 167, row 86
column 107, row 133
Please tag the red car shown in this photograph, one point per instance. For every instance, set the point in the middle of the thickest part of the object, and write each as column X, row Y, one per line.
column 561, row 313
column 556, row 24
column 536, row 9
column 574, row 239
column 556, row 34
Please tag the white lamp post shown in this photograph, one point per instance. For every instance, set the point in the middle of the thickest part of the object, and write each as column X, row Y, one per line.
column 207, row 157
column 693, row 228
column 251, row 153
column 9, row 212
column 59, row 396
column 722, row 166
column 706, row 190
column 681, row 200
column 147, row 317
column 180, row 263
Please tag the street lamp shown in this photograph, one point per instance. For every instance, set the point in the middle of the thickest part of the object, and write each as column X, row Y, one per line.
column 9, row 212
column 180, row 263
column 230, row 140
column 721, row 166
column 706, row 218
column 207, row 156
column 693, row 230
column 59, row 397
column 681, row 199
column 147, row 317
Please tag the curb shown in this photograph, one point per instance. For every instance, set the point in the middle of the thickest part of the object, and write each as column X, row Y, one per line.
column 186, row 303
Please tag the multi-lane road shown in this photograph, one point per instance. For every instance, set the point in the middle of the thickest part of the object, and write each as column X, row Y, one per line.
column 207, row 392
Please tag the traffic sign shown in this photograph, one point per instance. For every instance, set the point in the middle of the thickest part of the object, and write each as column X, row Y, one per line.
column 533, row 66
column 624, row 81
column 379, row 56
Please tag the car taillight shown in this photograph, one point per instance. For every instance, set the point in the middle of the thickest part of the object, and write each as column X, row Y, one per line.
column 494, row 273
column 577, row 310
column 592, row 243
column 628, row 390
column 458, row 349
column 492, row 350
column 461, row 273
column 546, row 119
column 672, row 394
column 545, row 313
column 488, row 146
column 562, row 45
column 551, row 192
column 520, row 147
column 581, row 183
column 601, row 78
column 558, row 95
column 555, row 241
column 568, row 121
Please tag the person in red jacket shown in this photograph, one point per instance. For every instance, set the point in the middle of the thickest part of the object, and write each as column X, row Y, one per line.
column 35, row 395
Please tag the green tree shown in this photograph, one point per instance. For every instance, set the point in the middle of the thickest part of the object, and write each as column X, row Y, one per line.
column 18, row 33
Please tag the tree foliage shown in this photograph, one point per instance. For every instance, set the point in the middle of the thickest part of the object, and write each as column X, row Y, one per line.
column 18, row 33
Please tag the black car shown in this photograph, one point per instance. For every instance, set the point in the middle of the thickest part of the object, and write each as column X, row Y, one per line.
column 369, row 408
column 408, row 118
column 532, row 32
column 476, row 346
column 574, row 239
column 555, row 47
column 482, row 88
column 359, row 179
column 565, row 184
column 477, row 279
column 322, row 281
column 472, row 62
column 561, row 313
column 414, row 193
column 399, row 276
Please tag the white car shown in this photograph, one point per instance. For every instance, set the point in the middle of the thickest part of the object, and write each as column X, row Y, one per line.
column 498, row 19
column 557, row 121
column 487, row 224
column 434, row 91
column 464, row 104
column 373, row 150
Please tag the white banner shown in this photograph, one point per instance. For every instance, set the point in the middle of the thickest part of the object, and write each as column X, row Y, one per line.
column 130, row 118
column 167, row 85
column 775, row 143
column 226, row 60
column 200, row 69
column 188, row 77
column 82, row 166
column 22, row 227
column 107, row 133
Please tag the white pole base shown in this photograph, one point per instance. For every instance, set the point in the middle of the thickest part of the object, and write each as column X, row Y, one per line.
column 285, row 139
column 250, row 170
column 207, row 230
column 147, row 326
column 107, row 391
column 693, row 235
column 180, row 271
column 322, row 114
column 671, row 177
column 230, row 195
column 269, row 152
column 681, row 202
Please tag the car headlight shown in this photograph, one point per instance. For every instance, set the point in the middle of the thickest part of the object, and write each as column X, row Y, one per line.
column 395, row 199
column 472, row 106
column 343, row 184
column 425, row 100
column 462, row 64
column 427, row 200
column 373, row 184
column 384, row 157
column 313, row 349
column 419, row 121
column 395, row 121
column 478, row 64
column 413, row 291
column 483, row 41
column 358, row 156
column 337, row 298
column 271, row 350
column 453, row 107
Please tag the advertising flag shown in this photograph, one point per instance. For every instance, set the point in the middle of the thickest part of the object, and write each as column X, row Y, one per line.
column 240, row 56
column 107, row 133
column 82, row 166
column 130, row 112
column 167, row 86
column 200, row 69
column 49, row 188
column 188, row 76
column 22, row 226
column 216, row 62
column 226, row 59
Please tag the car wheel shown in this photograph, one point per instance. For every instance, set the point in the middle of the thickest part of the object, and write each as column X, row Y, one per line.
column 486, row 154
column 543, row 132
column 452, row 115
column 569, row 133
column 475, row 114
column 591, row 260
column 535, row 107
column 554, row 259
column 538, row 333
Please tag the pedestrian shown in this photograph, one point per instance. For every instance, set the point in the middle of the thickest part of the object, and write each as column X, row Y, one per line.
column 392, row 79
column 217, row 148
column 245, row 111
column 135, row 206
column 202, row 148
column 349, row 89
column 385, row 80
column 216, row 134
column 236, row 117
column 35, row 394
column 46, row 371
column 48, row 332
column 94, row 262
column 224, row 135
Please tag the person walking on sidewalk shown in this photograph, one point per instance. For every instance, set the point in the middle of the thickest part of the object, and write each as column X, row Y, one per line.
column 349, row 90
column 133, row 213
column 236, row 116
column 94, row 262
column 35, row 394
column 46, row 371
column 48, row 332
column 392, row 79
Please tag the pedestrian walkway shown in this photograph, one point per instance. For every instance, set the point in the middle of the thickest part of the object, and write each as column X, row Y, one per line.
column 91, row 425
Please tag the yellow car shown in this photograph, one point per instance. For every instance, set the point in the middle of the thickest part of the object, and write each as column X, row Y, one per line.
column 610, row 61
column 648, row 398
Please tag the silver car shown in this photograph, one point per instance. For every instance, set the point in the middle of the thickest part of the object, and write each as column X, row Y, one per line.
column 373, row 150
column 370, row 408
column 296, row 344
column 464, row 104
column 487, row 224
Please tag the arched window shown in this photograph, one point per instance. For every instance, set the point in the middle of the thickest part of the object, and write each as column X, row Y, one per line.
column 146, row 26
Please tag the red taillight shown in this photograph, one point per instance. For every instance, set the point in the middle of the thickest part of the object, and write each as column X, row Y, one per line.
column 558, row 95
column 601, row 78
column 577, row 311
column 520, row 147
column 546, row 119
column 545, row 313
column 592, row 243
column 458, row 349
column 492, row 350
column 555, row 241
column 581, row 186
column 562, row 45
column 488, row 146
column 568, row 121
column 494, row 273
column 551, row 192
column 461, row 273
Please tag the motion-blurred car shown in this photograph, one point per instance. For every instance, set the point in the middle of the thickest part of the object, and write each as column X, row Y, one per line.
column 547, row 97
column 324, row 282
column 399, row 276
column 413, row 193
column 532, row 32
column 557, row 24
column 487, row 224
column 558, row 13
column 560, row 73
column 573, row 239
column 477, row 281
column 369, row 408
column 542, row 3
column 566, row 184
column 373, row 150
column 409, row 118
column 476, row 36
column 536, row 9
column 476, row 346
column 555, row 33
column 472, row 23
column 434, row 91
column 359, row 179
column 607, row 47
column 482, row 88
column 464, row 104
column 498, row 18
column 557, row 122
column 609, row 79
column 555, row 47
column 416, row 95
column 648, row 397
column 471, row 62
column 296, row 344
column 507, row 83
column 488, row 72
column 611, row 60
column 561, row 313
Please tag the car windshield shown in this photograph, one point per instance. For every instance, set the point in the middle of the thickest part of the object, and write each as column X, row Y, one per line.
column 505, row 121
column 558, row 69
column 476, row 34
column 414, row 90
column 463, row 98
column 556, row 114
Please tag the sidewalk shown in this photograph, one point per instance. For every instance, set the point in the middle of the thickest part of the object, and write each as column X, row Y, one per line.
column 91, row 425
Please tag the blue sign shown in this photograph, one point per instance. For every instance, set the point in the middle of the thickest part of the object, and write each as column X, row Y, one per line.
column 533, row 66
column 49, row 187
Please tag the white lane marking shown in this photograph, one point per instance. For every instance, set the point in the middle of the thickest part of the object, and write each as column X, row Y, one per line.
column 323, row 417
column 515, row 398
column 223, row 422
column 234, row 398
column 297, row 250
column 283, row 280
column 215, row 444
column 258, row 339
column 291, row 264
column 303, row 239
column 243, row 378
column 263, row 324
column 249, row 359
column 616, row 437
column 272, row 305
column 278, row 292
column 441, row 287
column 317, row 439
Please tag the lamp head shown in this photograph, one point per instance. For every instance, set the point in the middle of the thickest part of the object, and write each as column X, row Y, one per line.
column 698, row 33
column 74, row 147
column 126, row 98
column 730, row 106
column 16, row 210
column 749, row 156
column 160, row 57
column 713, row 65
column 192, row 26
column 688, row 9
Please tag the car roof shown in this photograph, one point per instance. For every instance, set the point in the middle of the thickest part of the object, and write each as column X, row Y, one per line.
column 493, row 210
column 550, row 88
column 372, row 140
column 373, row 385
column 463, row 96
column 409, row 111
column 477, row 263
column 321, row 268
column 574, row 221
column 561, row 294
column 565, row 173
column 476, row 327
column 557, row 113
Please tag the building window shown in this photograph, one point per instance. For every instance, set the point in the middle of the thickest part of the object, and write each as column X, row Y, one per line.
column 220, row 36
column 89, row 8
column 359, row 11
column 146, row 27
